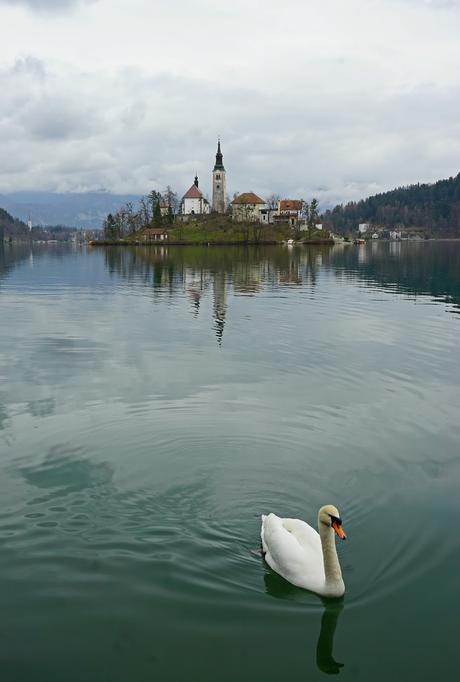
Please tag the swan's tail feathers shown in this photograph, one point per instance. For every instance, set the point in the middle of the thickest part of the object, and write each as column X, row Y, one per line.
column 262, row 531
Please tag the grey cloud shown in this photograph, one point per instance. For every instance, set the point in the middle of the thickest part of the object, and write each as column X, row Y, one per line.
column 433, row 4
column 55, row 118
column 47, row 5
column 44, row 110
column 156, row 131
column 31, row 66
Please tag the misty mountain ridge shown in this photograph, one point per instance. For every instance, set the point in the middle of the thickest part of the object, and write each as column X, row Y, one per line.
column 434, row 207
column 80, row 210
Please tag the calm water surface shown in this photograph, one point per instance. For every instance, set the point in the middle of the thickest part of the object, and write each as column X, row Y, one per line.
column 153, row 403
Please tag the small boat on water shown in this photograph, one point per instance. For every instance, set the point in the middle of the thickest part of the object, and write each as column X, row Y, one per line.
column 359, row 241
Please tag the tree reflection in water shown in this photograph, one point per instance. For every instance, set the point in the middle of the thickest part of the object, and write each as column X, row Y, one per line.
column 195, row 271
column 199, row 271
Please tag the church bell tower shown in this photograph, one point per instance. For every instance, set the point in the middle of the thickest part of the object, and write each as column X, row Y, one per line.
column 219, row 187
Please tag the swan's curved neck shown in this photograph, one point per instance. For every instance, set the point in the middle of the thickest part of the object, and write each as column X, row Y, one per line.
column 332, row 569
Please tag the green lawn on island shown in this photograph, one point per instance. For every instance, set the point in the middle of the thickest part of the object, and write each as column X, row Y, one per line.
column 223, row 229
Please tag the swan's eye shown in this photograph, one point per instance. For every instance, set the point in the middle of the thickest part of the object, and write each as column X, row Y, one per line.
column 336, row 519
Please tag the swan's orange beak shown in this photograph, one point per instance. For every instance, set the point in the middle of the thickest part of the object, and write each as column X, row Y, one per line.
column 337, row 526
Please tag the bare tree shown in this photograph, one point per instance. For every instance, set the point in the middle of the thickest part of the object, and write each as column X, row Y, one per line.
column 247, row 219
column 132, row 218
column 172, row 200
column 310, row 211
column 273, row 200
column 145, row 212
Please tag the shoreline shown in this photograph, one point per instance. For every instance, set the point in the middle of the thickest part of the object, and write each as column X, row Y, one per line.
column 121, row 242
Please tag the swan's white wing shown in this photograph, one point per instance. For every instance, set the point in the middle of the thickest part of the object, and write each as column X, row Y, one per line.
column 293, row 549
column 305, row 535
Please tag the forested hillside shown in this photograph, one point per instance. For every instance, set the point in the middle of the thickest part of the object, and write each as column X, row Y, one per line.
column 11, row 227
column 15, row 229
column 434, row 208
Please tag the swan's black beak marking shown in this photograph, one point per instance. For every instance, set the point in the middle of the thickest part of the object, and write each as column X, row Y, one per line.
column 336, row 524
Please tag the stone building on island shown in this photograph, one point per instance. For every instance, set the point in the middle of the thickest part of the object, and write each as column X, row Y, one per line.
column 248, row 207
column 289, row 210
column 154, row 234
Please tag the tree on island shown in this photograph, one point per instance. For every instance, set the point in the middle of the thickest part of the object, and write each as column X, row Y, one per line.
column 272, row 201
column 157, row 217
column 171, row 199
column 132, row 218
column 311, row 216
column 110, row 228
column 153, row 198
column 145, row 212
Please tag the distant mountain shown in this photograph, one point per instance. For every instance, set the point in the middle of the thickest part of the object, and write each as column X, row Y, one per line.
column 434, row 208
column 82, row 210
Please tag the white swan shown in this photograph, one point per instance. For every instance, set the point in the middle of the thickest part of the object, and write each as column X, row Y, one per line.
column 305, row 558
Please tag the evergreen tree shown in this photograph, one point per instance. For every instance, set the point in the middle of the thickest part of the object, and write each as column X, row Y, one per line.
column 154, row 198
column 157, row 217
column 110, row 228
column 312, row 216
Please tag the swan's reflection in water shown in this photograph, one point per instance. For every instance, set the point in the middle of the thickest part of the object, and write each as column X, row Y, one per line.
column 324, row 649
column 325, row 661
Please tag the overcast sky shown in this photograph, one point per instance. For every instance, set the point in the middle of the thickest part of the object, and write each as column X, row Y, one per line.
column 334, row 98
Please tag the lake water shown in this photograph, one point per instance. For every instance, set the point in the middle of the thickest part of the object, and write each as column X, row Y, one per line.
column 154, row 402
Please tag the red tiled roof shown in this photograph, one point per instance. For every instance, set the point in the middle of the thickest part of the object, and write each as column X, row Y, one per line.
column 248, row 198
column 152, row 231
column 290, row 205
column 193, row 193
column 164, row 204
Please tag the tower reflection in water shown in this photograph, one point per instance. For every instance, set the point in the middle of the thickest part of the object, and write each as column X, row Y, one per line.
column 221, row 274
column 325, row 661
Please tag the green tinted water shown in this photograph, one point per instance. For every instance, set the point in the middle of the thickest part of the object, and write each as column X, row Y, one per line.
column 153, row 403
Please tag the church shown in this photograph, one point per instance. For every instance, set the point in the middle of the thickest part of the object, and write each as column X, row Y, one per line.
column 219, row 183
column 195, row 203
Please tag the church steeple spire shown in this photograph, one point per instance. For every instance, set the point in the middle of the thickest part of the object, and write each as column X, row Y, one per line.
column 219, row 158
column 219, row 186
